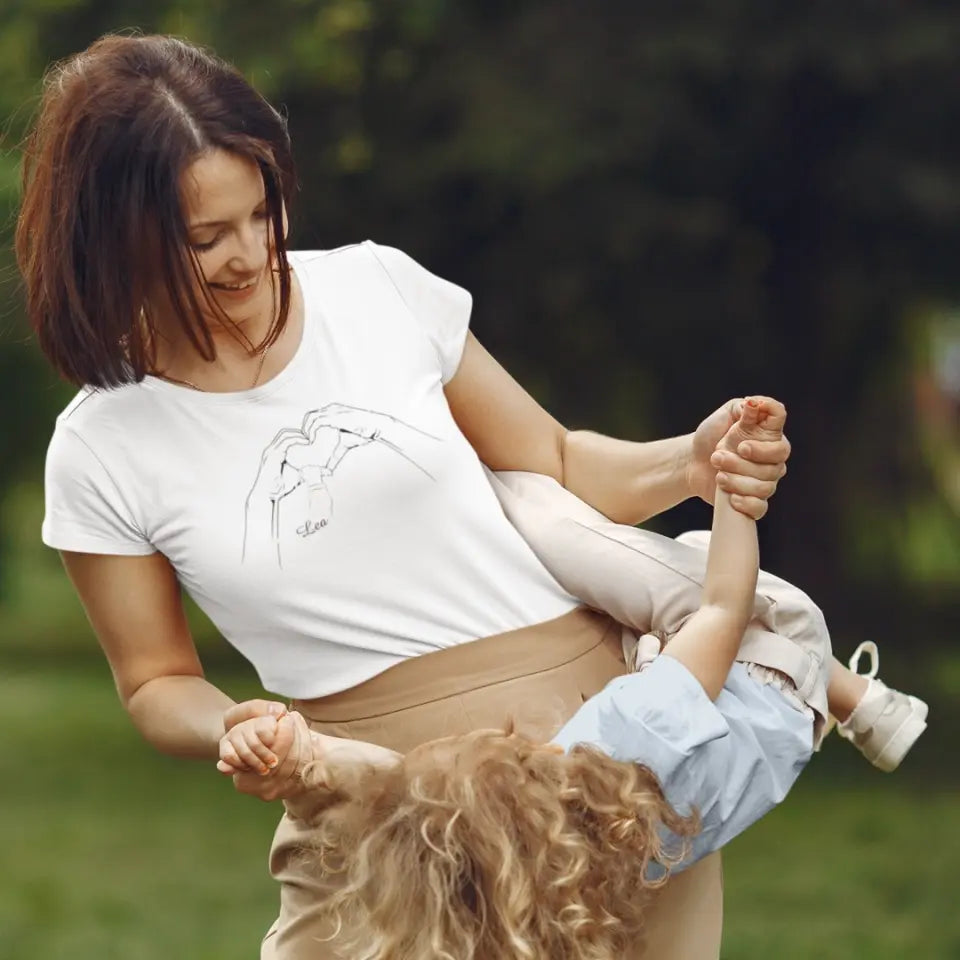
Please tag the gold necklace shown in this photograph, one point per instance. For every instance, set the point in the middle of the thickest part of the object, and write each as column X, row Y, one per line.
column 190, row 383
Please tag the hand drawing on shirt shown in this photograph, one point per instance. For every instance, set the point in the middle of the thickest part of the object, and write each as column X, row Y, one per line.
column 307, row 457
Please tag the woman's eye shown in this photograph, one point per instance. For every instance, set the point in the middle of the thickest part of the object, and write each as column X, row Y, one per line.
column 209, row 245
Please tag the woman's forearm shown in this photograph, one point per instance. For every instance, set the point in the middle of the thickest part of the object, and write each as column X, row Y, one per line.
column 181, row 716
column 628, row 482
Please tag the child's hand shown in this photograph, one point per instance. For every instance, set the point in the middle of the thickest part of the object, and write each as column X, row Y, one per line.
column 759, row 461
column 761, row 419
column 248, row 746
column 250, row 729
column 293, row 747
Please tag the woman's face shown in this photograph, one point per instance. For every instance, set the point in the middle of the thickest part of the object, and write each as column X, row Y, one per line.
column 228, row 227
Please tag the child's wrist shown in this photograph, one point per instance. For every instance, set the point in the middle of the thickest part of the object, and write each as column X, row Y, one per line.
column 309, row 804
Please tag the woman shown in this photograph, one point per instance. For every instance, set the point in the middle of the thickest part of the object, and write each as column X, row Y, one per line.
column 297, row 440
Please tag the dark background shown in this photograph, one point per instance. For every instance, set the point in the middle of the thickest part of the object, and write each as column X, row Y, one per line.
column 657, row 206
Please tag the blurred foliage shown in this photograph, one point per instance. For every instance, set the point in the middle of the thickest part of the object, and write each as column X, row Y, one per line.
column 657, row 206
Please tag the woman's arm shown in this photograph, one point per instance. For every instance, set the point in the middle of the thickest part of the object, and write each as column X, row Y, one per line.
column 628, row 482
column 134, row 606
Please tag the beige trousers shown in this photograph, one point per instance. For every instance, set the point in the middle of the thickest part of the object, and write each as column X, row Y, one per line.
column 555, row 666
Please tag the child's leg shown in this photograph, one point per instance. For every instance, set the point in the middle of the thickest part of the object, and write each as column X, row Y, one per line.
column 882, row 723
column 642, row 579
column 653, row 583
column 796, row 617
column 844, row 690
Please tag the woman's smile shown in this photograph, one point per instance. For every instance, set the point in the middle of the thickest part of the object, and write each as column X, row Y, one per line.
column 237, row 292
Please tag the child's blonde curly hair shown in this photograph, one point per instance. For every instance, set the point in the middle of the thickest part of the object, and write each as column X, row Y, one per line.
column 490, row 846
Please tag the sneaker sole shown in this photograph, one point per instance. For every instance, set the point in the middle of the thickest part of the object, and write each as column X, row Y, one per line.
column 898, row 746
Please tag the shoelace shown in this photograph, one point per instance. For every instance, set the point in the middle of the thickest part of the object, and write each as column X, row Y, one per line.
column 870, row 648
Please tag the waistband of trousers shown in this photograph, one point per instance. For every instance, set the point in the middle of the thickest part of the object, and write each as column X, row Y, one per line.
column 467, row 666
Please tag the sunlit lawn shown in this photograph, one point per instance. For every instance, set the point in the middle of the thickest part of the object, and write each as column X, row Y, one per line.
column 113, row 853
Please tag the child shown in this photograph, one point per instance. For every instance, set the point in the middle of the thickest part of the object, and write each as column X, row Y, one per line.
column 490, row 845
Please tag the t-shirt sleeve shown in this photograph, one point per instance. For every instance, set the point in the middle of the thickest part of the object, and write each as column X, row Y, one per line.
column 85, row 509
column 731, row 767
column 440, row 307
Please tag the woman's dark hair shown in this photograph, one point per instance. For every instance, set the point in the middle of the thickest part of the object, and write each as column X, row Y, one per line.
column 102, row 222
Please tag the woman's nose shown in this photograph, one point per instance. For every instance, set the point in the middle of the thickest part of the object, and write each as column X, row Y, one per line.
column 250, row 253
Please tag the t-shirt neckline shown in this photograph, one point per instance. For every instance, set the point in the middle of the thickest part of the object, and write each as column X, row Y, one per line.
column 261, row 390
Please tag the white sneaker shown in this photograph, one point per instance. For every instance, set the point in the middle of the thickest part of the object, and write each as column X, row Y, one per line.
column 885, row 724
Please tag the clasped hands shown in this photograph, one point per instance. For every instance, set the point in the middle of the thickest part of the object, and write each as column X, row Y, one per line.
column 266, row 749
column 748, row 470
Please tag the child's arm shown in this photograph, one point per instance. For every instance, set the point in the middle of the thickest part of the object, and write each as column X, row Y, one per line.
column 328, row 768
column 708, row 642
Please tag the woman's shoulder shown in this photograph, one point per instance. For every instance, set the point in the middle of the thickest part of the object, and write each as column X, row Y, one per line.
column 347, row 270
column 354, row 262
column 311, row 256
column 91, row 404
column 335, row 258
column 99, row 416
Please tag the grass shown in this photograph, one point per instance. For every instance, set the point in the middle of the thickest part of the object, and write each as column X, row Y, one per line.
column 111, row 851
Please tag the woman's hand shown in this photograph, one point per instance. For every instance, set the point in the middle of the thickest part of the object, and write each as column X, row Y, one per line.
column 749, row 474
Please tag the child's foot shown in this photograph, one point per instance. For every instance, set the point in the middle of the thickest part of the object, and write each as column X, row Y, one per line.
column 885, row 724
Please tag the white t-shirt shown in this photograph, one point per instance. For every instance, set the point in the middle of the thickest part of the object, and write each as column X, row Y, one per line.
column 332, row 521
